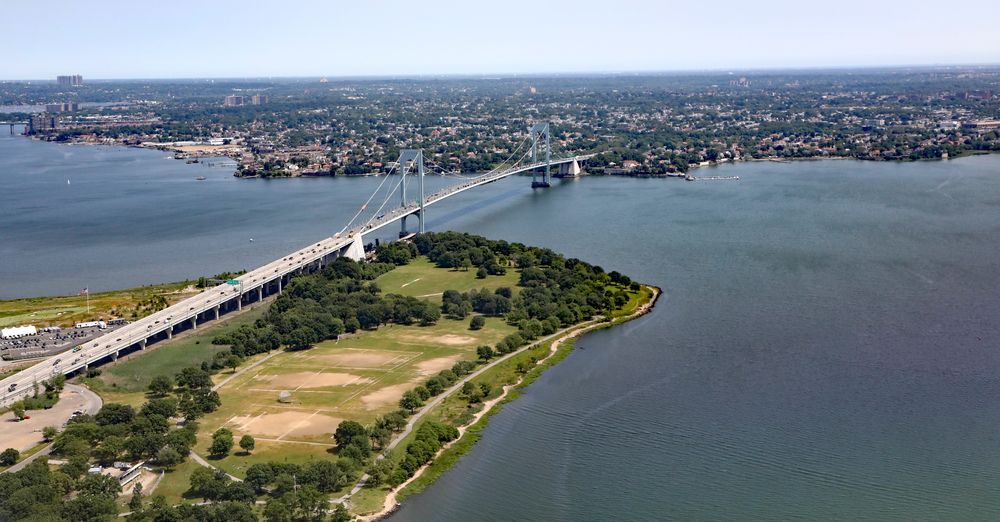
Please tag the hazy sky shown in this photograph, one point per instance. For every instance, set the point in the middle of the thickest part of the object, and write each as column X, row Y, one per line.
column 223, row 38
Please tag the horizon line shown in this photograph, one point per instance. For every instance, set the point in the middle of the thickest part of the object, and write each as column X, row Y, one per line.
column 580, row 73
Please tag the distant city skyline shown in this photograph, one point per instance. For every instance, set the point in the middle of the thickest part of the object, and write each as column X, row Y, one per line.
column 227, row 39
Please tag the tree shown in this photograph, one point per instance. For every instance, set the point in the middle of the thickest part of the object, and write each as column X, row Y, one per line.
column 477, row 323
column 471, row 392
column 347, row 431
column 277, row 510
column 18, row 409
column 222, row 442
column 49, row 433
column 168, row 457
column 259, row 476
column 410, row 401
column 9, row 457
column 247, row 443
column 341, row 514
column 482, row 273
column 165, row 407
column 484, row 352
column 310, row 503
column 113, row 413
column 109, row 450
column 429, row 314
column 135, row 503
column 161, row 385
column 232, row 361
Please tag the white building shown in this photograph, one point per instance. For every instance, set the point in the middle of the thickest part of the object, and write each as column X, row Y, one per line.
column 17, row 331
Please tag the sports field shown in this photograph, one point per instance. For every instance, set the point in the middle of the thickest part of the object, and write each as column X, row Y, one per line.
column 356, row 378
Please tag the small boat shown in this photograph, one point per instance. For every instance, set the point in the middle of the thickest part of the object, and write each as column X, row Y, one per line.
column 201, row 178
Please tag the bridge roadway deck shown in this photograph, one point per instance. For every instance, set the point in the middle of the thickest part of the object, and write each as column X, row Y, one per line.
column 214, row 301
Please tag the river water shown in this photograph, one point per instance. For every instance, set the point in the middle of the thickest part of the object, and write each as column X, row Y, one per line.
column 827, row 347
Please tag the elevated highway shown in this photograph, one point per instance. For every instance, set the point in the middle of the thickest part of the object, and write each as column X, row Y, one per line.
column 248, row 288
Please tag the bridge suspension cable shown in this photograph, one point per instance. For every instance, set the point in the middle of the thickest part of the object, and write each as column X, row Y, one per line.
column 370, row 198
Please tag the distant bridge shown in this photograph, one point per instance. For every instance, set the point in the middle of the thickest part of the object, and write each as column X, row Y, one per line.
column 269, row 279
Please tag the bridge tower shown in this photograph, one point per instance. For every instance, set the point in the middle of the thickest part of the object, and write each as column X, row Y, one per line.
column 538, row 131
column 416, row 156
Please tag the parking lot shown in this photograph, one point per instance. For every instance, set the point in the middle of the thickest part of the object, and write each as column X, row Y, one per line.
column 44, row 344
column 26, row 434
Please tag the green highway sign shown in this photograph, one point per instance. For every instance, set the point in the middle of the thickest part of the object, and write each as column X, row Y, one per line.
column 232, row 282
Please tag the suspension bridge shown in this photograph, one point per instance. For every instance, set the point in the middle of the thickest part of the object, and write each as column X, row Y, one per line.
column 269, row 279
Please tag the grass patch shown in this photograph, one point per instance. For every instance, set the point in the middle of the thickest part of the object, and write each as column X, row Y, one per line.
column 133, row 373
column 67, row 310
column 421, row 278
column 176, row 482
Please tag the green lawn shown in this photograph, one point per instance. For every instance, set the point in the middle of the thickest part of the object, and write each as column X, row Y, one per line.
column 126, row 380
column 421, row 278
column 175, row 483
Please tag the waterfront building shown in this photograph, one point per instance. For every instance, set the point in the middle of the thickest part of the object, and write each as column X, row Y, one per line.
column 62, row 107
column 43, row 122
column 72, row 80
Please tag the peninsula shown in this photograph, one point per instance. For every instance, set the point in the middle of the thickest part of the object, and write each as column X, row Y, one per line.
column 355, row 387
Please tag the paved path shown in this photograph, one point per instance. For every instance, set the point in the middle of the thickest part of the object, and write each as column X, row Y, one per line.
column 559, row 337
column 198, row 458
column 454, row 388
column 241, row 371
column 92, row 406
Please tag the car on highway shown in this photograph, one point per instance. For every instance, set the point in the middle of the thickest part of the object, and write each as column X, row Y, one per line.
column 12, row 387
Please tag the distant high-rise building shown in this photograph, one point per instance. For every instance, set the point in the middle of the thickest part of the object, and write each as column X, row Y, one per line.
column 73, row 80
column 258, row 99
column 62, row 107
column 233, row 100
column 42, row 123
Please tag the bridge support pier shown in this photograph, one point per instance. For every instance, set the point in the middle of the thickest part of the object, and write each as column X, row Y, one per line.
column 356, row 250
column 540, row 130
column 216, row 312
column 260, row 293
column 170, row 332
column 417, row 157
column 114, row 356
column 142, row 343
column 194, row 322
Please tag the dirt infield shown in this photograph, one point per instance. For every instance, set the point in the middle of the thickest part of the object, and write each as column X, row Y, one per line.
column 435, row 365
column 286, row 423
column 447, row 339
column 385, row 395
column 359, row 358
column 299, row 380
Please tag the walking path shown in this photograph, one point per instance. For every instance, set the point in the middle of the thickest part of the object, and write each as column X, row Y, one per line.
column 198, row 458
column 561, row 336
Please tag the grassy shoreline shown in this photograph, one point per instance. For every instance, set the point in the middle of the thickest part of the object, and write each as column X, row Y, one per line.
column 66, row 310
column 505, row 372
